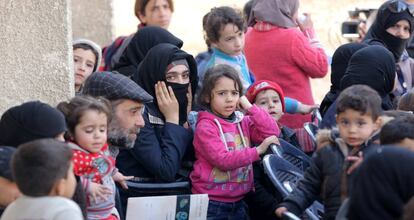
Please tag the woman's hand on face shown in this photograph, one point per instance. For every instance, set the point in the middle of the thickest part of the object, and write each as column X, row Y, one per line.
column 167, row 102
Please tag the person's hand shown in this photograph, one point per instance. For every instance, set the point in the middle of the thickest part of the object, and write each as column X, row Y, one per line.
column 262, row 148
column 306, row 24
column 279, row 211
column 244, row 103
column 8, row 192
column 99, row 192
column 362, row 31
column 306, row 109
column 121, row 179
column 167, row 102
column 356, row 161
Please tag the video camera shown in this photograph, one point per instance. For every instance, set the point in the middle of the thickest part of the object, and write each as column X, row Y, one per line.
column 350, row 28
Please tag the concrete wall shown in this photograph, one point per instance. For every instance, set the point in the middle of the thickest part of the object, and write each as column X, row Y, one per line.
column 92, row 19
column 36, row 54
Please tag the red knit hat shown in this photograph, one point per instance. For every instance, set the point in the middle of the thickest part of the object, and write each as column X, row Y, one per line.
column 261, row 85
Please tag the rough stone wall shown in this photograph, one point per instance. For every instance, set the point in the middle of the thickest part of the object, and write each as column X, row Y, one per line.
column 92, row 19
column 36, row 54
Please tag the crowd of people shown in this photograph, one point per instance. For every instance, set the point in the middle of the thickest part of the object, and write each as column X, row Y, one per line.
column 146, row 111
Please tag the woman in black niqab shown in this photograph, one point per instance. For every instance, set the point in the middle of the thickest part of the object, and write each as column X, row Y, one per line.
column 145, row 39
column 153, row 69
column 340, row 60
column 385, row 19
column 373, row 66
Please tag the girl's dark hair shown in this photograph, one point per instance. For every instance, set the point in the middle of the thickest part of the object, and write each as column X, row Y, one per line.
column 88, row 47
column 406, row 102
column 77, row 106
column 211, row 77
column 218, row 18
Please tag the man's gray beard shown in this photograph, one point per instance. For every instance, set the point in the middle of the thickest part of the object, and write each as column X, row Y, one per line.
column 118, row 136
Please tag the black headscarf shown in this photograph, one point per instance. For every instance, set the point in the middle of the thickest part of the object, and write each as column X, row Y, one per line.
column 153, row 69
column 340, row 60
column 385, row 19
column 140, row 44
column 339, row 64
column 383, row 185
column 373, row 66
column 30, row 121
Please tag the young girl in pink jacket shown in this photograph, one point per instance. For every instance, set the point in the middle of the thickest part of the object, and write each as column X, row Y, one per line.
column 223, row 143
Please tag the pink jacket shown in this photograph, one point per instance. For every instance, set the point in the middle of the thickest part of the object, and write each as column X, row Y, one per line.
column 223, row 168
column 285, row 56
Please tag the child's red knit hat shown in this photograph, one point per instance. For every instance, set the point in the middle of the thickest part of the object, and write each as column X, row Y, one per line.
column 261, row 85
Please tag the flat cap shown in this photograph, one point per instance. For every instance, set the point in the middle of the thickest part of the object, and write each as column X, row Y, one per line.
column 113, row 86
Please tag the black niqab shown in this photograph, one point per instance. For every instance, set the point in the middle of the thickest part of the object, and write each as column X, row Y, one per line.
column 153, row 69
column 385, row 19
column 373, row 66
column 140, row 44
column 340, row 60
column 30, row 121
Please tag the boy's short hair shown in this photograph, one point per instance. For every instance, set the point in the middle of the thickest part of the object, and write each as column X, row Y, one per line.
column 397, row 130
column 360, row 98
column 141, row 4
column 218, row 18
column 38, row 165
